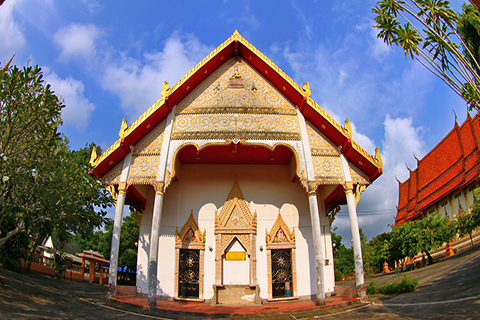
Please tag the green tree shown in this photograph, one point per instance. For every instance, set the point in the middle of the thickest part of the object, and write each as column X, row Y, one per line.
column 376, row 252
column 469, row 29
column 343, row 258
column 45, row 187
column 468, row 223
column 413, row 237
column 428, row 33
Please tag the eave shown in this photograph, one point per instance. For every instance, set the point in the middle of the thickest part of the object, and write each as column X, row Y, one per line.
column 236, row 45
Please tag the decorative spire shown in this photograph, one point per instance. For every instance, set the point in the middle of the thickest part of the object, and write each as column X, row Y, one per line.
column 306, row 88
column 165, row 89
column 348, row 129
column 378, row 157
column 122, row 133
column 93, row 156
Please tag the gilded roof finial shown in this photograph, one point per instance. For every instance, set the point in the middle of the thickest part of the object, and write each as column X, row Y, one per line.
column 348, row 129
column 93, row 157
column 123, row 128
column 378, row 157
column 165, row 88
column 306, row 88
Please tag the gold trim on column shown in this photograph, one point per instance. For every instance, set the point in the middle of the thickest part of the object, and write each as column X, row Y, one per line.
column 348, row 187
column 159, row 186
column 312, row 188
column 122, row 187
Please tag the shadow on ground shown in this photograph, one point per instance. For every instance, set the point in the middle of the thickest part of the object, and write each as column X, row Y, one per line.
column 447, row 289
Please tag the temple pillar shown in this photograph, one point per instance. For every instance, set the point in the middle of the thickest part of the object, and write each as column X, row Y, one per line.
column 91, row 276
column 157, row 211
column 357, row 245
column 100, row 280
column 83, row 269
column 319, row 251
column 153, row 256
column 117, row 224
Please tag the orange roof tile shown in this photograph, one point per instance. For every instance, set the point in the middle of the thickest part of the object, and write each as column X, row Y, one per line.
column 451, row 165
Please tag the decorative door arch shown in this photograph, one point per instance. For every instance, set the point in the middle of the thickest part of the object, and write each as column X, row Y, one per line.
column 235, row 223
column 282, row 273
column 189, row 261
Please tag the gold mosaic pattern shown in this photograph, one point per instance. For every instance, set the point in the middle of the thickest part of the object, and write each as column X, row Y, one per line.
column 235, row 213
column 358, row 177
column 280, row 235
column 236, row 102
column 244, row 239
column 319, row 144
column 143, row 169
column 218, row 94
column 152, row 143
column 190, row 234
column 327, row 169
column 113, row 176
column 192, row 239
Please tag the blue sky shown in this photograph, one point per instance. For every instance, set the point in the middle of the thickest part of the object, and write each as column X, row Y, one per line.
column 108, row 60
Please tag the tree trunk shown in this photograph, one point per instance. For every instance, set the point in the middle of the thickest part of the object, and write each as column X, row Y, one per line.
column 471, row 239
column 430, row 259
column 10, row 234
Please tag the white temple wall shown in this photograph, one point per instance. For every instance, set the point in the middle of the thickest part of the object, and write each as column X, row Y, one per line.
column 143, row 248
column 204, row 189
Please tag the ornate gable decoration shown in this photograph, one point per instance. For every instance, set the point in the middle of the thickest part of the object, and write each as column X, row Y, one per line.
column 280, row 236
column 113, row 176
column 358, row 177
column 236, row 102
column 319, row 144
column 235, row 216
column 190, row 236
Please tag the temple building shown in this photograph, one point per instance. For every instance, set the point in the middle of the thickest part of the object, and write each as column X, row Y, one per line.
column 445, row 178
column 236, row 175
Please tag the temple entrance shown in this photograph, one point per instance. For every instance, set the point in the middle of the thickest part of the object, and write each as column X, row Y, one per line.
column 282, row 273
column 189, row 273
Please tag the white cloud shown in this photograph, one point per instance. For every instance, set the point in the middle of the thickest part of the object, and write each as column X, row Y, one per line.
column 138, row 83
column 92, row 5
column 377, row 208
column 12, row 39
column 77, row 40
column 78, row 109
column 378, row 47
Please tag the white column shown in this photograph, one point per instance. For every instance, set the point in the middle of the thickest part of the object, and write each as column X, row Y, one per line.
column 153, row 256
column 352, row 214
column 112, row 276
column 157, row 213
column 117, row 224
column 319, row 252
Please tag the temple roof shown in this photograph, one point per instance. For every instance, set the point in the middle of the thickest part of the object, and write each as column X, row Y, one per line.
column 236, row 45
column 451, row 165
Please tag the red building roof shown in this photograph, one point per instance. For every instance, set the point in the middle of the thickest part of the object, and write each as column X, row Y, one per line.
column 450, row 166
column 236, row 45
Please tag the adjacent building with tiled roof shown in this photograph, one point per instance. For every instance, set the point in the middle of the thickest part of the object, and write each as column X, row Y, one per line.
column 445, row 178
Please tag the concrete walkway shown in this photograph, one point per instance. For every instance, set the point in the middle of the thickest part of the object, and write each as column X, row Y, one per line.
column 448, row 290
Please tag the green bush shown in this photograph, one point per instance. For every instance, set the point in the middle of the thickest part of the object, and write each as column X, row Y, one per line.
column 404, row 285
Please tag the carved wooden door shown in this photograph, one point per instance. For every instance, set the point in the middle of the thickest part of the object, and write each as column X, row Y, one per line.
column 281, row 273
column 188, row 275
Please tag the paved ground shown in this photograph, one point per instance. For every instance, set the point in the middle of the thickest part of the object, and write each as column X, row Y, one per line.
column 448, row 289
